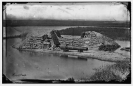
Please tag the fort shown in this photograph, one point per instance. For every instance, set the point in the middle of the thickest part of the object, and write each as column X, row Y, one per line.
column 80, row 47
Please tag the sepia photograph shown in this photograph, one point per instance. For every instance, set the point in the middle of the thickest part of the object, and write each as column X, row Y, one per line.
column 66, row 42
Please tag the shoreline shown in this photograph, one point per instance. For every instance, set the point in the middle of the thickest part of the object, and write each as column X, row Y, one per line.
column 94, row 54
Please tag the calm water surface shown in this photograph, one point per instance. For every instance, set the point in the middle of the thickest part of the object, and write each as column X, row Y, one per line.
column 31, row 65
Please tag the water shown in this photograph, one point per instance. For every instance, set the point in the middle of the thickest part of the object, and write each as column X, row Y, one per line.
column 123, row 44
column 33, row 65
column 47, row 66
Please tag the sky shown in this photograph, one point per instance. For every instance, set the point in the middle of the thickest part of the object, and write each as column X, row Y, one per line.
column 85, row 12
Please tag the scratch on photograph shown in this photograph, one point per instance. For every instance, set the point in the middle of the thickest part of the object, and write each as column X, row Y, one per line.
column 67, row 42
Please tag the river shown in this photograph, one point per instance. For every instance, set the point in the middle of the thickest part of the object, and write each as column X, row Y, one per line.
column 33, row 65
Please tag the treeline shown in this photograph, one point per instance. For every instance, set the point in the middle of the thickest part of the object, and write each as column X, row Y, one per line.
column 112, row 32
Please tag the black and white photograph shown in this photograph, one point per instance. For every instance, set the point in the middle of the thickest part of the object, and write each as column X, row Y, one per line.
column 66, row 42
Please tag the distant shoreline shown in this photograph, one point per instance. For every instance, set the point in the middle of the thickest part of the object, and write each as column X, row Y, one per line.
column 14, row 23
